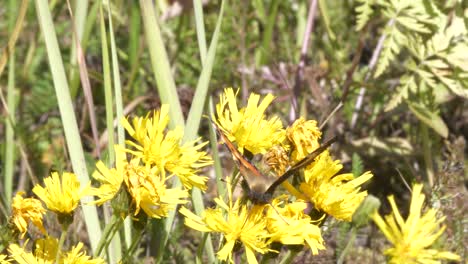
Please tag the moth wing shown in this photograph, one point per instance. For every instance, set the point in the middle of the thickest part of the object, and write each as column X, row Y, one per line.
column 256, row 180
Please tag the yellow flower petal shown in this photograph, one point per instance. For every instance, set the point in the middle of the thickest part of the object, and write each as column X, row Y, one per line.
column 411, row 238
column 336, row 195
column 25, row 211
column 163, row 149
column 248, row 126
column 61, row 195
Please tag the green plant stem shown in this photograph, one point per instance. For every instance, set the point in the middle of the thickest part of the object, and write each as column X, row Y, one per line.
column 289, row 257
column 63, row 235
column 426, row 141
column 349, row 245
column 109, row 232
column 135, row 241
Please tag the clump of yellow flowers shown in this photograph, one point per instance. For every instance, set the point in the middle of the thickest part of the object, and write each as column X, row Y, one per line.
column 140, row 185
column 61, row 195
column 284, row 220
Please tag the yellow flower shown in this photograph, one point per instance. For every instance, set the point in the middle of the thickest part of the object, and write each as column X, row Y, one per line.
column 44, row 253
column 46, row 248
column 248, row 126
column 411, row 238
column 237, row 223
column 277, row 159
column 336, row 195
column 147, row 186
column 110, row 179
column 26, row 210
column 61, row 195
column 4, row 259
column 164, row 150
column 74, row 256
column 290, row 226
column 304, row 136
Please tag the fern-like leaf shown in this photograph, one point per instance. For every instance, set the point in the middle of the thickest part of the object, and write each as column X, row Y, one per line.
column 407, row 83
column 363, row 11
column 391, row 47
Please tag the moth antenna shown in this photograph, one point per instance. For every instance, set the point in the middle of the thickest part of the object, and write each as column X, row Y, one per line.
column 330, row 115
column 276, row 210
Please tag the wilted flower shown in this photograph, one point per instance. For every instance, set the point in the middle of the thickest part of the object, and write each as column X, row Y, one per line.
column 304, row 136
column 413, row 237
column 25, row 211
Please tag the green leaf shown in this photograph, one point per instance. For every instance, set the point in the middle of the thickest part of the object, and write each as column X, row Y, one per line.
column 357, row 166
column 392, row 45
column 429, row 118
column 364, row 11
column 384, row 146
column 70, row 126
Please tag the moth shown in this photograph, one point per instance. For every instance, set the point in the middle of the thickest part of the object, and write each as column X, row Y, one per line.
column 260, row 187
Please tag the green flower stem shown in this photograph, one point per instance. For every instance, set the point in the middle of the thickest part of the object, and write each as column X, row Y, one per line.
column 108, row 234
column 349, row 245
column 289, row 257
column 426, row 141
column 65, row 226
column 136, row 239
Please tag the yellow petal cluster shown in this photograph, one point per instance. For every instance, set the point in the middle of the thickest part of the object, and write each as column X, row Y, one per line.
column 110, row 179
column 4, row 259
column 283, row 221
column 412, row 238
column 164, row 149
column 61, row 194
column 237, row 223
column 25, row 210
column 304, row 136
column 45, row 252
column 147, row 186
column 337, row 195
column 77, row 256
column 289, row 225
column 248, row 126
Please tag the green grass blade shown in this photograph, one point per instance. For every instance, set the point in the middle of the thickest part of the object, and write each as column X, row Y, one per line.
column 160, row 63
column 107, row 90
column 117, row 82
column 80, row 13
column 68, row 116
column 116, row 245
column 263, row 55
column 9, row 163
column 200, row 26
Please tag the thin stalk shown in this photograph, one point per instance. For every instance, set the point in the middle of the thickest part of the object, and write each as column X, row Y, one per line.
column 107, row 89
column 198, row 11
column 10, row 133
column 427, row 153
column 108, row 233
column 63, row 235
column 289, row 257
column 294, row 111
column 349, row 245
